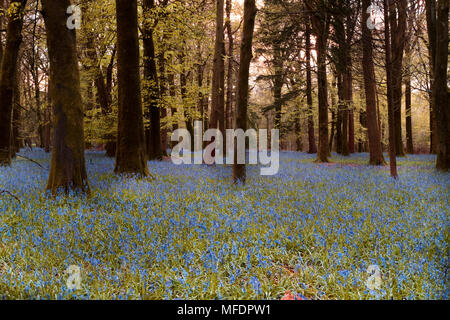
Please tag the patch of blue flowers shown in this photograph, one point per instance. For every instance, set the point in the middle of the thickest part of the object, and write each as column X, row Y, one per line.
column 189, row 233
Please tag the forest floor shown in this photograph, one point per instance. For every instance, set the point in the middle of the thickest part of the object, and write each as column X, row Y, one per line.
column 311, row 231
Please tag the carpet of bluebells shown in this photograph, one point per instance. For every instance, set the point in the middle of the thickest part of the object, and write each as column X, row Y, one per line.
column 312, row 230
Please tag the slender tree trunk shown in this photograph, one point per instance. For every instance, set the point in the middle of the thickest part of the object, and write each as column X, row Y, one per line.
column 239, row 174
column 409, row 136
column 217, row 119
column 321, row 28
column 298, row 133
column 67, row 168
column 172, row 93
column 278, row 84
column 441, row 92
column 339, row 119
column 391, row 121
column 430, row 6
column 131, row 154
column 8, row 73
column 229, row 100
column 376, row 152
column 162, row 94
column 2, row 7
column 397, row 22
column 151, row 96
column 111, row 143
column 189, row 120
column 312, row 148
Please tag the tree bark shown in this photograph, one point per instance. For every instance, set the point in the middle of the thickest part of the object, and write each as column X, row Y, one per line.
column 397, row 22
column 67, row 168
column 312, row 148
column 151, row 97
column 441, row 92
column 320, row 22
column 391, row 119
column 229, row 100
column 131, row 154
column 430, row 8
column 408, row 116
column 239, row 174
column 8, row 73
column 371, row 122
column 217, row 118
column 162, row 94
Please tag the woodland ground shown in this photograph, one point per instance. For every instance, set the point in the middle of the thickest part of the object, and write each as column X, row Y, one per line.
column 311, row 229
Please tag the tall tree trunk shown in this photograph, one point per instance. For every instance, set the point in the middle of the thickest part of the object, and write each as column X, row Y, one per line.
column 371, row 122
column 67, row 168
column 239, row 174
column 172, row 93
column 397, row 22
column 111, row 143
column 441, row 92
column 430, row 7
column 131, row 154
column 408, row 111
column 229, row 100
column 320, row 22
column 391, row 119
column 163, row 109
column 339, row 119
column 2, row 7
column 151, row 96
column 189, row 121
column 8, row 73
column 312, row 148
column 217, row 118
column 278, row 84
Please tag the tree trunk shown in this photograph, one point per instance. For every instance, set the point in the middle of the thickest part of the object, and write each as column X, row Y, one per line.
column 2, row 7
column 239, row 174
column 320, row 23
column 8, row 73
column 339, row 121
column 312, row 148
column 229, row 100
column 67, row 168
column 440, row 92
column 47, row 124
column 217, row 118
column 409, row 137
column 397, row 22
column 131, row 154
column 151, row 96
column 189, row 121
column 371, row 122
column 278, row 84
column 162, row 94
column 391, row 119
column 172, row 93
column 430, row 7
